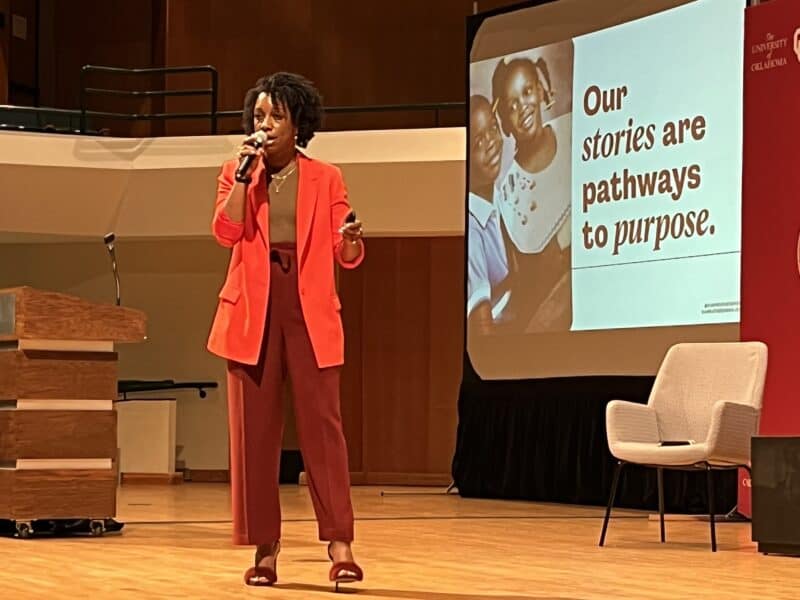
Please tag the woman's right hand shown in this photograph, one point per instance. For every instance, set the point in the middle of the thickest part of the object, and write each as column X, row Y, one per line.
column 247, row 148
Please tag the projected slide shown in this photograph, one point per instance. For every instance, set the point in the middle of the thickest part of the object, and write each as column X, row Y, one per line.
column 605, row 178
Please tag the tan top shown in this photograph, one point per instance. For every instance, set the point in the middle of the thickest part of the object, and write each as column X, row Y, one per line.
column 283, row 205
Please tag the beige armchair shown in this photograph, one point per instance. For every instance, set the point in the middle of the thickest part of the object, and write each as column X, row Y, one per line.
column 706, row 400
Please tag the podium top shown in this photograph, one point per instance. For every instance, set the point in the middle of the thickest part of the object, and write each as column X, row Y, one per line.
column 28, row 313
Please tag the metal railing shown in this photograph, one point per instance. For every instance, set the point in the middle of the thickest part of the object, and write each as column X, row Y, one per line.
column 211, row 92
column 436, row 107
column 79, row 121
column 41, row 119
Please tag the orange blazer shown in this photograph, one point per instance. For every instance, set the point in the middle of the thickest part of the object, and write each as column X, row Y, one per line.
column 322, row 206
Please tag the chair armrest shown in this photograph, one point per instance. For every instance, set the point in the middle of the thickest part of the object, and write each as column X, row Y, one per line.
column 732, row 426
column 631, row 422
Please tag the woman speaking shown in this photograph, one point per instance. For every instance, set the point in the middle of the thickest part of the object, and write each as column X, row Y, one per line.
column 287, row 219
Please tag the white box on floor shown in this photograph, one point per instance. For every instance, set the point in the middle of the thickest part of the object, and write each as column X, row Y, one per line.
column 146, row 438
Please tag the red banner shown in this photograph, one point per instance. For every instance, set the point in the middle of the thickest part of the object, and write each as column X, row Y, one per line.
column 771, row 209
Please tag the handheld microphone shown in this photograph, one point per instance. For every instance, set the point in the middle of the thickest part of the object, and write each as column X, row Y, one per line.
column 247, row 159
column 108, row 240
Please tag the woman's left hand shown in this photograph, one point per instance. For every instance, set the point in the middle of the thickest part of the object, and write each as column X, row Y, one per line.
column 352, row 232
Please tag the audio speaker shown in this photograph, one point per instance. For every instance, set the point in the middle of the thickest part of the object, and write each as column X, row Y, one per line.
column 776, row 494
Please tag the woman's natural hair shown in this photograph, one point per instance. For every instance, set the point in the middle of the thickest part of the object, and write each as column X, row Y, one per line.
column 297, row 94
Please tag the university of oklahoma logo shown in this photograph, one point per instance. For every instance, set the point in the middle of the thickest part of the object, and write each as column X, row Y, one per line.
column 767, row 54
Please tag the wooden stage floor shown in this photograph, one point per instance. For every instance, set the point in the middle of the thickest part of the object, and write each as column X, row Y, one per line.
column 413, row 543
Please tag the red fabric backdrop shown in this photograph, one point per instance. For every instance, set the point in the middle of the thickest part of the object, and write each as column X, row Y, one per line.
column 771, row 209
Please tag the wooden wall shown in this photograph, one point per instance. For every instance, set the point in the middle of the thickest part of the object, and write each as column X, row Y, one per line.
column 22, row 45
column 5, row 38
column 403, row 308
column 359, row 53
column 115, row 34
column 402, row 311
column 403, row 318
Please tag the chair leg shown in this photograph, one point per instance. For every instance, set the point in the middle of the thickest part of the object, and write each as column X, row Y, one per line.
column 614, row 486
column 660, row 472
column 710, row 481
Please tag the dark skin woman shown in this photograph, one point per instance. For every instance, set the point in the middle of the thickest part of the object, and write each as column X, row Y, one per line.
column 522, row 89
column 521, row 95
column 278, row 151
column 288, row 222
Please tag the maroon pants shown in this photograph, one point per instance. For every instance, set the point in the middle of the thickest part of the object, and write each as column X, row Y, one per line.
column 255, row 403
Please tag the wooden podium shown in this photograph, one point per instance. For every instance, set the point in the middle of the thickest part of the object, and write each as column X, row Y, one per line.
column 58, row 426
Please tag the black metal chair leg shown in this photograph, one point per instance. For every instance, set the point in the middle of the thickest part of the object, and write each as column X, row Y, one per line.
column 710, row 481
column 614, row 485
column 661, row 502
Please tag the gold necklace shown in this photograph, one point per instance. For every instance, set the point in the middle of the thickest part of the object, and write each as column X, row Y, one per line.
column 281, row 179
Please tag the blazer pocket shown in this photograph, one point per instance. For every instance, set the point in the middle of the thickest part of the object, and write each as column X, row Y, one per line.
column 230, row 292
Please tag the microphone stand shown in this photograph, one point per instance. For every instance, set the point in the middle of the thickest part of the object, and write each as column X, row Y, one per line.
column 108, row 240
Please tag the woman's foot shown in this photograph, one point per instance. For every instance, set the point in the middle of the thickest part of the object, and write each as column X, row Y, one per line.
column 344, row 569
column 340, row 552
column 265, row 570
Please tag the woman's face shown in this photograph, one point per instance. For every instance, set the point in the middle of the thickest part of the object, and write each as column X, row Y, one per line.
column 486, row 145
column 522, row 99
column 276, row 122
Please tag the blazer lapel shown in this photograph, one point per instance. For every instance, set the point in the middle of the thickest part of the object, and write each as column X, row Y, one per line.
column 307, row 192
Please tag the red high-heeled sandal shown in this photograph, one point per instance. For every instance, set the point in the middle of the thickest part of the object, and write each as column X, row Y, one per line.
column 344, row 572
column 263, row 576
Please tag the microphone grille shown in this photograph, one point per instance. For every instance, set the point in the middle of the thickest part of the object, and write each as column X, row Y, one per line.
column 261, row 138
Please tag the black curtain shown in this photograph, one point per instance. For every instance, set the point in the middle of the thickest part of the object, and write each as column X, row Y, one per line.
column 545, row 440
